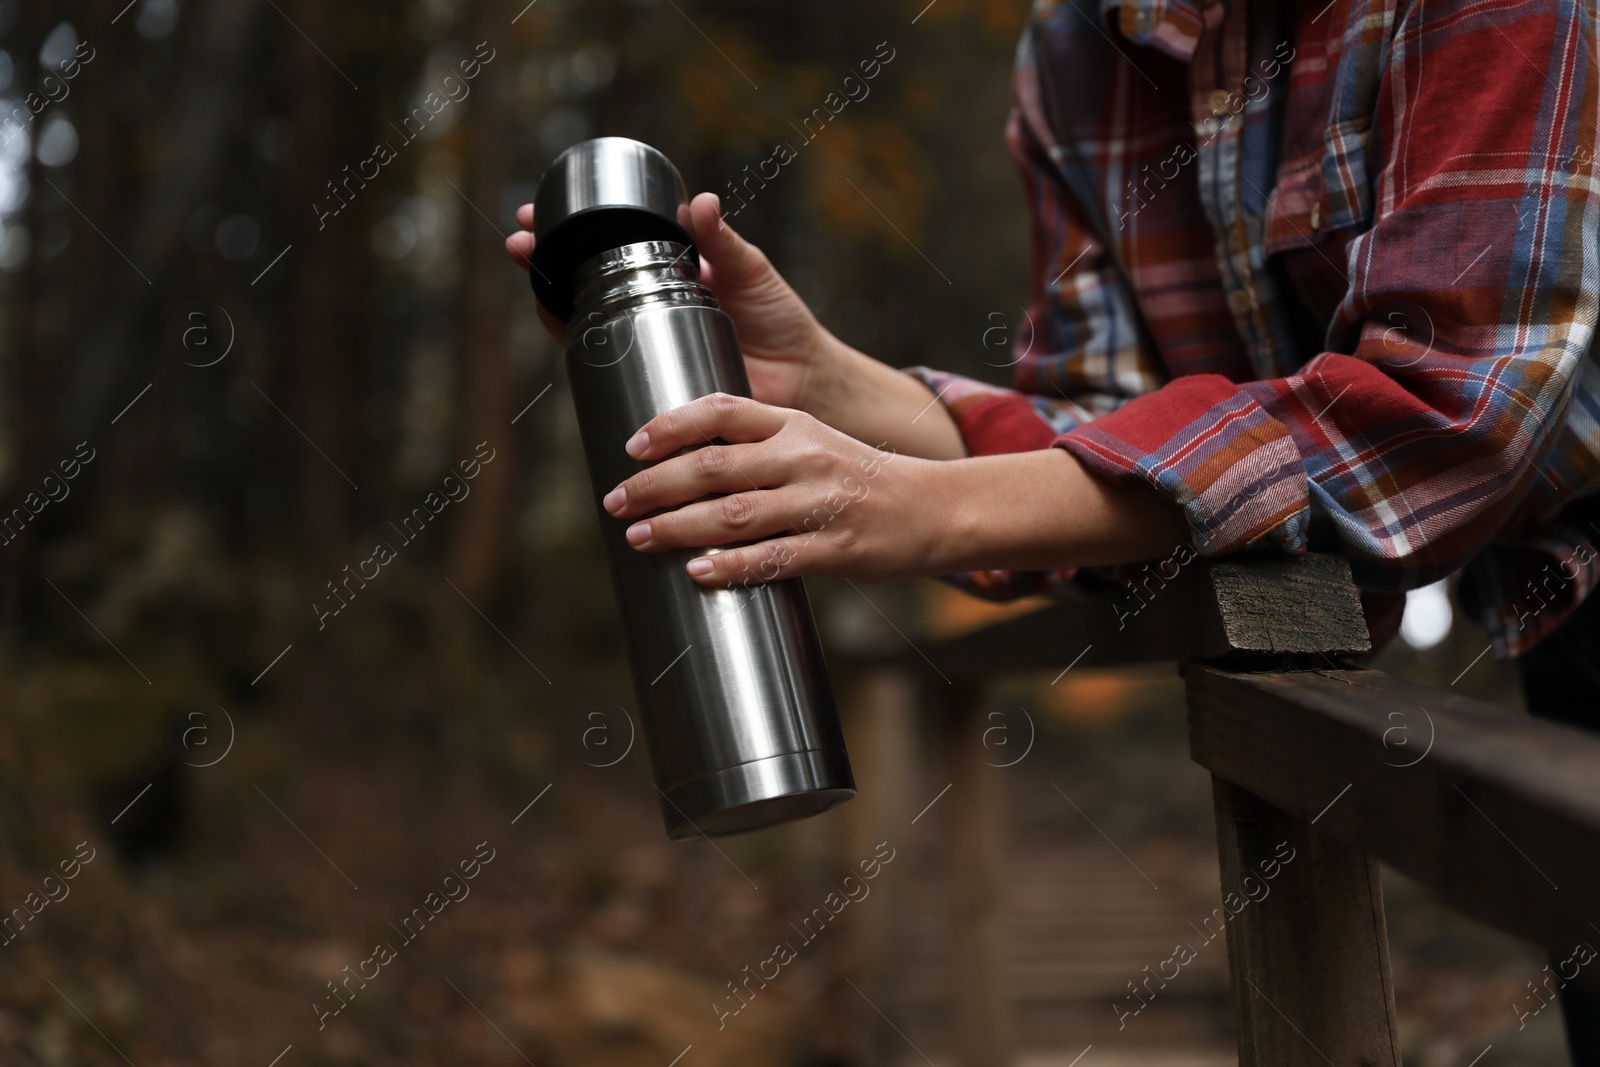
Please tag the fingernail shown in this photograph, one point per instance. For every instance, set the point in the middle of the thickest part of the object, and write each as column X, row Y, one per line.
column 614, row 500
column 637, row 443
column 716, row 202
column 638, row 534
column 700, row 566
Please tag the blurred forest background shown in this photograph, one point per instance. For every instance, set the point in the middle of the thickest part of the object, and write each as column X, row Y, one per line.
column 216, row 393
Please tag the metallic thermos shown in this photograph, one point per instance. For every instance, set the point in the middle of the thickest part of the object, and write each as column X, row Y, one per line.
column 737, row 710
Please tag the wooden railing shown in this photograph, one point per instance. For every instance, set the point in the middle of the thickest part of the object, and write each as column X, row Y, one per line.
column 1496, row 812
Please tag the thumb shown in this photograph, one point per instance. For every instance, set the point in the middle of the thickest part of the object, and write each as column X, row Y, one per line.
column 736, row 261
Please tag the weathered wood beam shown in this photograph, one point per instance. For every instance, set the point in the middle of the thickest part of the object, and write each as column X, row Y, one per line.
column 1241, row 608
column 1497, row 812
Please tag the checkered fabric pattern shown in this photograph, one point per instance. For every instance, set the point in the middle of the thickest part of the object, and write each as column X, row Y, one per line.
column 1323, row 274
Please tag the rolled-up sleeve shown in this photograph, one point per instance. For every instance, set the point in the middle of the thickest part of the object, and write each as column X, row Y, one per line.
column 1468, row 319
column 1459, row 383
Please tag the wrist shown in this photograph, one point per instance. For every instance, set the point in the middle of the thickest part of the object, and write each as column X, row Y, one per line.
column 876, row 404
column 826, row 378
column 963, row 530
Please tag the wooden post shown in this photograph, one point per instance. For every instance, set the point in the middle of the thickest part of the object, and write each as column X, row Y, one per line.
column 1308, row 951
column 973, row 812
column 880, row 720
column 1319, row 769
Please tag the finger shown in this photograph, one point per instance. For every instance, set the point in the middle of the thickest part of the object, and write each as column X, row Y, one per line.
column 750, row 565
column 680, row 479
column 735, row 260
column 733, row 418
column 519, row 246
column 725, row 520
column 525, row 216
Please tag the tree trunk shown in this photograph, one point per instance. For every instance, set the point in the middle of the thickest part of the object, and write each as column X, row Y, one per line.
column 26, row 372
column 477, row 553
column 317, row 393
column 202, row 113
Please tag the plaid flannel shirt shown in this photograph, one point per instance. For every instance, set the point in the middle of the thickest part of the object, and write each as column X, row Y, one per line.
column 1320, row 273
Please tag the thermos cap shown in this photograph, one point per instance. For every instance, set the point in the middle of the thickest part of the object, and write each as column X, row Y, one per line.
column 599, row 195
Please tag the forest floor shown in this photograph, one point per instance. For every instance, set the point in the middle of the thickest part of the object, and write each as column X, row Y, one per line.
column 224, row 899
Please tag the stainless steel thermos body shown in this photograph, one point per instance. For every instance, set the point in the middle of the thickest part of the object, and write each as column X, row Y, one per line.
column 737, row 712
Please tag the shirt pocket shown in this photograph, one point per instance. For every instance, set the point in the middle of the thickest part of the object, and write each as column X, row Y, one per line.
column 1345, row 173
column 1300, row 231
column 1297, row 209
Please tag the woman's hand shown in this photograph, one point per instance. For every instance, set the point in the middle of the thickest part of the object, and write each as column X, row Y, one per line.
column 816, row 500
column 791, row 359
column 779, row 336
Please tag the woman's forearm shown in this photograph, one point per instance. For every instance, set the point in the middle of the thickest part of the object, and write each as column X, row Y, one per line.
column 1022, row 511
column 834, row 505
column 876, row 404
column 1044, row 509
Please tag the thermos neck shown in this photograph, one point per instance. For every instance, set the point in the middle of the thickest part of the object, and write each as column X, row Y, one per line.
column 644, row 273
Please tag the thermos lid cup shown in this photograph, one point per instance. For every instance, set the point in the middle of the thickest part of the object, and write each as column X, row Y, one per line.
column 599, row 195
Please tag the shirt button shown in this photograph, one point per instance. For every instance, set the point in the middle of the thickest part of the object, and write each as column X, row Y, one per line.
column 1316, row 215
column 1239, row 301
column 1219, row 103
